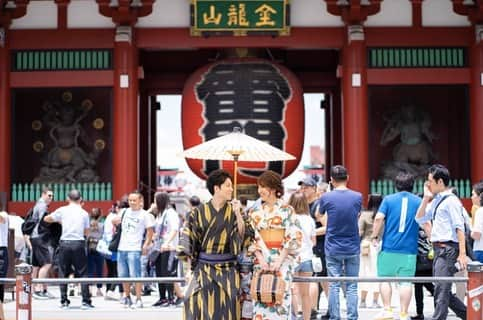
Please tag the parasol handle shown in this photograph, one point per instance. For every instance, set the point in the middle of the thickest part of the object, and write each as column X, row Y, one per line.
column 235, row 173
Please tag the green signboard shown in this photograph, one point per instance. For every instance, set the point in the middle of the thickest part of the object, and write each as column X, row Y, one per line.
column 239, row 17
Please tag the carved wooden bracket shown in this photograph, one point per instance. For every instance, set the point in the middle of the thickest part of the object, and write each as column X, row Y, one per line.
column 473, row 9
column 12, row 9
column 125, row 12
column 353, row 11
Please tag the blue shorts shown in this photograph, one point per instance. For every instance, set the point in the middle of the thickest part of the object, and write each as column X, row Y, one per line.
column 478, row 255
column 305, row 266
column 129, row 264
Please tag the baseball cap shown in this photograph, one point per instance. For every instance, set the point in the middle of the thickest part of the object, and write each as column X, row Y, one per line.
column 310, row 182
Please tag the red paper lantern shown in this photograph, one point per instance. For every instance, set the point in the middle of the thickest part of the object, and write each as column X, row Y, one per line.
column 263, row 98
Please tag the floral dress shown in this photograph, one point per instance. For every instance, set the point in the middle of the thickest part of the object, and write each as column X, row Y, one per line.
column 280, row 217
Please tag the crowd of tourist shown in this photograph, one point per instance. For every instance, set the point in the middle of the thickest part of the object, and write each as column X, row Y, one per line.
column 322, row 229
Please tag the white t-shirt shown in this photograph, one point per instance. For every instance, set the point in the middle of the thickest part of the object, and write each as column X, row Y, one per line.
column 307, row 225
column 74, row 220
column 4, row 230
column 170, row 221
column 478, row 226
column 134, row 224
column 15, row 223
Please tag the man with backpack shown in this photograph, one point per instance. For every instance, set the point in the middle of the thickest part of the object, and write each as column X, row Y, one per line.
column 447, row 237
column 38, row 239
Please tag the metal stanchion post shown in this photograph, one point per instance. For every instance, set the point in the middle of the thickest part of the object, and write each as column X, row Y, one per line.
column 23, row 289
column 475, row 291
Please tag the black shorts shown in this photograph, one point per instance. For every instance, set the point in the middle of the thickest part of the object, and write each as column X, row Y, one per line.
column 3, row 269
column 42, row 252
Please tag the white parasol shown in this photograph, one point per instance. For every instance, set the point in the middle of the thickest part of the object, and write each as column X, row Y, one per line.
column 236, row 146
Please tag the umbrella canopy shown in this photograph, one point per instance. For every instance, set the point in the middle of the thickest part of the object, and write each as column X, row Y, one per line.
column 236, row 146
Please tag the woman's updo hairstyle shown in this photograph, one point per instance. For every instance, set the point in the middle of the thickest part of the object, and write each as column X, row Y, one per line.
column 270, row 179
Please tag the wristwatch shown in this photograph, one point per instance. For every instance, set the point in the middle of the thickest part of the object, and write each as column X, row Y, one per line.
column 375, row 238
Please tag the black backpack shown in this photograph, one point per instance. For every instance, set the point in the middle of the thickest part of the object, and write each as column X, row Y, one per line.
column 424, row 262
column 29, row 223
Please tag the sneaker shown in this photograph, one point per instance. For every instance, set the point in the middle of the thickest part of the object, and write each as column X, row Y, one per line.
column 127, row 302
column 40, row 295
column 147, row 291
column 385, row 314
column 71, row 290
column 48, row 295
column 325, row 316
column 137, row 305
column 418, row 317
column 86, row 306
column 403, row 316
column 160, row 303
column 376, row 305
column 65, row 305
column 362, row 304
column 178, row 302
column 314, row 314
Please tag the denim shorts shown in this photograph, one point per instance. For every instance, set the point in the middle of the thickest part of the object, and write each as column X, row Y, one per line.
column 305, row 266
column 129, row 264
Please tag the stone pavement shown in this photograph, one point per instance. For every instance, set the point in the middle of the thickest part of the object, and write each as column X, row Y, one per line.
column 109, row 310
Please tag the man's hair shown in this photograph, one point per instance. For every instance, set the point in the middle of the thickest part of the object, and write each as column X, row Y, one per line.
column 217, row 178
column 138, row 193
column 338, row 173
column 195, row 201
column 478, row 187
column 438, row 171
column 272, row 180
column 74, row 195
column 46, row 189
column 404, row 181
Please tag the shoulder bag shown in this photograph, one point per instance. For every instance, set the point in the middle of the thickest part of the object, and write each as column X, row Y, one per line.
column 156, row 248
column 116, row 237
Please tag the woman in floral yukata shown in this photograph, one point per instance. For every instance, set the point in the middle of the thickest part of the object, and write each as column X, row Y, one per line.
column 276, row 242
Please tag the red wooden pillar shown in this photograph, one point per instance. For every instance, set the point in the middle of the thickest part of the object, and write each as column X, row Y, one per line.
column 354, row 110
column 125, row 113
column 476, row 106
column 5, row 115
column 336, row 128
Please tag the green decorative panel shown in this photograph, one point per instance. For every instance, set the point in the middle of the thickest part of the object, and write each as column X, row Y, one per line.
column 417, row 57
column 239, row 17
column 24, row 192
column 61, row 60
column 385, row 187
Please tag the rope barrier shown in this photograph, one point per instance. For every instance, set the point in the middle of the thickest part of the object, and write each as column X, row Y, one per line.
column 295, row 279
column 24, row 282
